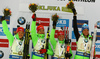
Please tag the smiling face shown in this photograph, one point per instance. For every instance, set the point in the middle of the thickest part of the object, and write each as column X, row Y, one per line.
column 85, row 32
column 41, row 31
column 21, row 34
column 61, row 37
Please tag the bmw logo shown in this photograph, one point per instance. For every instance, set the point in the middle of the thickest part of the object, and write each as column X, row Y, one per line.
column 62, row 46
column 1, row 54
column 86, row 40
column 21, row 20
column 42, row 41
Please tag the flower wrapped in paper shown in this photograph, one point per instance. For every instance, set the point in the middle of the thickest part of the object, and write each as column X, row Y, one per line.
column 7, row 12
column 33, row 7
column 55, row 17
column 70, row 5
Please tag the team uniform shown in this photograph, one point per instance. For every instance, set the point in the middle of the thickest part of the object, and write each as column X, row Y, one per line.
column 83, row 43
column 58, row 46
column 39, row 42
column 16, row 44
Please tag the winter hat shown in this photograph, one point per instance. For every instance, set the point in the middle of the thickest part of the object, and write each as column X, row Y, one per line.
column 20, row 29
column 85, row 26
column 40, row 27
column 60, row 32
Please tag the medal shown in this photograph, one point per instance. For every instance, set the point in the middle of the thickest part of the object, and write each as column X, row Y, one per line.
column 85, row 54
column 62, row 46
column 86, row 40
column 19, row 47
column 59, row 58
column 43, row 41
column 38, row 51
column 19, row 53
column 20, row 43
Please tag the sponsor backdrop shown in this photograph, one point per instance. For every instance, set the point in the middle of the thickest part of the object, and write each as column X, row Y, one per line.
column 46, row 8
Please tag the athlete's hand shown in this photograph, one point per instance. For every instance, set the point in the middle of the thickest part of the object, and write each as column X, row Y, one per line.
column 2, row 18
column 68, row 54
column 55, row 19
column 34, row 17
column 74, row 11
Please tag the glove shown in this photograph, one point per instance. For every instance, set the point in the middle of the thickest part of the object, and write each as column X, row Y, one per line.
column 2, row 18
column 55, row 19
column 68, row 55
column 43, row 51
column 74, row 11
column 54, row 23
column 34, row 17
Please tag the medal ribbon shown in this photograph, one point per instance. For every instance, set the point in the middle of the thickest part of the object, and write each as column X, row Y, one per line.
column 85, row 44
column 61, row 49
column 40, row 44
column 19, row 46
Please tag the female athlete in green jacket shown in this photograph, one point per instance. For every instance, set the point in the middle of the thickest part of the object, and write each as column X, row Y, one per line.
column 39, row 41
column 16, row 41
column 59, row 46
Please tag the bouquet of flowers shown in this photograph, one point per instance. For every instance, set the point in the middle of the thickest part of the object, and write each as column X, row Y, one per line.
column 70, row 4
column 55, row 17
column 33, row 7
column 7, row 12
